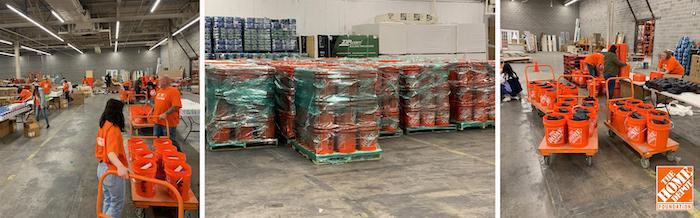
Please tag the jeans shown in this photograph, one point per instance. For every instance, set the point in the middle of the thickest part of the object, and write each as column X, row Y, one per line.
column 591, row 70
column 160, row 130
column 67, row 95
column 504, row 92
column 611, row 85
column 113, row 192
column 43, row 112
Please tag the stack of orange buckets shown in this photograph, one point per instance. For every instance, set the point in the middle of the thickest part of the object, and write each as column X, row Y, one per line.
column 571, row 123
column 640, row 123
column 388, row 96
column 424, row 96
column 166, row 163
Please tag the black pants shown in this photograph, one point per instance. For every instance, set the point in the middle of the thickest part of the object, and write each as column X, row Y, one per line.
column 67, row 95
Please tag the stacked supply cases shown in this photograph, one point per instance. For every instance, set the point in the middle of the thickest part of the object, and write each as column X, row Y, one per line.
column 284, row 35
column 424, row 96
column 227, row 34
column 336, row 110
column 388, row 95
column 240, row 105
column 473, row 95
column 257, row 35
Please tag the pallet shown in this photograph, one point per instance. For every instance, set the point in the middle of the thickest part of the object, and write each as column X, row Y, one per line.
column 474, row 124
column 435, row 129
column 336, row 158
column 387, row 135
column 265, row 143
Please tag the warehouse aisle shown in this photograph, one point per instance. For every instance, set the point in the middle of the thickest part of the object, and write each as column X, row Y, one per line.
column 426, row 175
column 615, row 186
column 54, row 175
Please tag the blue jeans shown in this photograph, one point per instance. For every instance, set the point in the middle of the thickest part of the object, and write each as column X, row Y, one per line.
column 591, row 70
column 113, row 192
column 160, row 130
column 43, row 112
column 611, row 85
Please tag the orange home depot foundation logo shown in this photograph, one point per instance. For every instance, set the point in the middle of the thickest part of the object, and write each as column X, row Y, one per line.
column 674, row 188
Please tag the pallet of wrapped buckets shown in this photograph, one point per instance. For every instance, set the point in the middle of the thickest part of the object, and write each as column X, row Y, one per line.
column 337, row 114
column 240, row 106
column 472, row 95
column 424, row 98
column 163, row 163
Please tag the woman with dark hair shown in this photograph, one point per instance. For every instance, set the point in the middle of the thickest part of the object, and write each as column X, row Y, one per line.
column 510, row 84
column 40, row 105
column 611, row 67
column 109, row 151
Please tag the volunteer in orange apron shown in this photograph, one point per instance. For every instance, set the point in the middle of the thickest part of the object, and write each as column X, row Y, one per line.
column 166, row 109
column 669, row 64
column 66, row 90
column 25, row 94
column 109, row 151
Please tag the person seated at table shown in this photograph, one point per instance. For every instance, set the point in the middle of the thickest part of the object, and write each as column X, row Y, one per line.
column 669, row 65
column 594, row 61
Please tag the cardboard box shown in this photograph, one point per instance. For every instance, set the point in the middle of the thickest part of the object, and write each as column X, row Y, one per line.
column 64, row 103
column 32, row 129
column 78, row 98
column 694, row 68
column 6, row 128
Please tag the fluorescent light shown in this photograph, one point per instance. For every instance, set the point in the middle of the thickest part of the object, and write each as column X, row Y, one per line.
column 158, row 44
column 115, row 45
column 34, row 22
column 117, row 35
column 570, row 2
column 7, row 54
column 57, row 17
column 155, row 5
column 81, row 52
column 186, row 26
column 6, row 42
column 35, row 50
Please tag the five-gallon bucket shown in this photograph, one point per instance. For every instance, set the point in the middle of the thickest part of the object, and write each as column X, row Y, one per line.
column 635, row 126
column 442, row 118
column 136, row 148
column 346, row 139
column 593, row 117
column 427, row 117
column 179, row 176
column 578, row 128
column 368, row 138
column 658, row 114
column 410, row 118
column 554, row 129
column 173, row 157
column 145, row 168
column 620, row 115
column 644, row 109
column 658, row 130
column 321, row 141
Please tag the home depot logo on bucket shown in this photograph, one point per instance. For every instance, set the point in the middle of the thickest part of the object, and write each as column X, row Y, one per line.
column 556, row 135
column 651, row 137
column 575, row 136
column 674, row 188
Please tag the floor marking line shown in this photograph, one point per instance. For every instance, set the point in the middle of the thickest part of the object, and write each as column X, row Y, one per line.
column 451, row 150
column 31, row 156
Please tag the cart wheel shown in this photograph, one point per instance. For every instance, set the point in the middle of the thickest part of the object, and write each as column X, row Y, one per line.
column 140, row 212
column 673, row 157
column 547, row 160
column 645, row 162
column 611, row 133
column 589, row 161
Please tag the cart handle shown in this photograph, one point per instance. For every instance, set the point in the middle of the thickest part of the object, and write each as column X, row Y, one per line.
column 527, row 78
column 180, row 202
column 131, row 129
column 572, row 76
column 607, row 95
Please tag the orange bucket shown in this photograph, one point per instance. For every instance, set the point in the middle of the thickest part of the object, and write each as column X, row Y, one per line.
column 644, row 109
column 658, row 114
column 618, row 121
column 173, row 157
column 145, row 168
column 161, row 141
column 654, row 75
column 244, row 133
column 222, row 135
column 427, row 117
column 390, row 126
column 179, row 176
column 531, row 90
column 134, row 141
column 658, row 130
column 135, row 148
column 566, row 111
column 613, row 106
column 346, row 139
column 632, row 103
column 592, row 88
column 548, row 98
column 554, row 129
column 442, row 118
column 592, row 117
column 638, row 77
column 143, row 154
column 635, row 126
column 564, row 104
column 578, row 132
column 321, row 141
column 368, row 138
column 410, row 118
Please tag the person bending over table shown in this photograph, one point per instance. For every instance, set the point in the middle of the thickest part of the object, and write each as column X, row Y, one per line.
column 594, row 61
column 669, row 65
column 166, row 109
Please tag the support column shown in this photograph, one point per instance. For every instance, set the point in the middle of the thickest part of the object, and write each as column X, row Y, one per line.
column 18, row 71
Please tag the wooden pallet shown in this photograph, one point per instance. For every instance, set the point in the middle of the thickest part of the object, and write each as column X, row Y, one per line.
column 387, row 135
column 266, row 143
column 435, row 129
column 474, row 124
column 336, row 158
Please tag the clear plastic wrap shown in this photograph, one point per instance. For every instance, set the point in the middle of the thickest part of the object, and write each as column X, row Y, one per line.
column 389, row 98
column 473, row 94
column 424, row 95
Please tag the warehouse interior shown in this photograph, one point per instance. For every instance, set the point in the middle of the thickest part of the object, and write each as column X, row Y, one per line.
column 620, row 180
column 63, row 60
column 347, row 108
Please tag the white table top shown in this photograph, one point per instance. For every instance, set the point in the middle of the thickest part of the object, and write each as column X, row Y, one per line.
column 686, row 97
column 189, row 108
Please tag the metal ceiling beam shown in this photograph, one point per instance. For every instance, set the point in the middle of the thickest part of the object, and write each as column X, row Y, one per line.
column 103, row 20
column 652, row 12
column 633, row 15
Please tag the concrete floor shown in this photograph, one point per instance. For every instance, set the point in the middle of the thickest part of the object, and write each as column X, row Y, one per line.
column 54, row 175
column 615, row 186
column 426, row 175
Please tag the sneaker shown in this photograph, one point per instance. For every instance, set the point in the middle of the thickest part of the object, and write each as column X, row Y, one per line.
column 517, row 97
column 506, row 99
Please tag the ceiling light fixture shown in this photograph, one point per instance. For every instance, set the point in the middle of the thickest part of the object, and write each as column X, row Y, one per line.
column 34, row 22
column 7, row 54
column 115, row 45
column 158, row 44
column 155, row 5
column 570, row 2
column 117, row 34
column 81, row 52
column 186, row 26
column 35, row 50
column 57, row 17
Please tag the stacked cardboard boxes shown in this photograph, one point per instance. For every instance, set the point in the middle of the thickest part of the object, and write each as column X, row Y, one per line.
column 31, row 128
column 7, row 127
column 257, row 35
column 694, row 75
column 284, row 33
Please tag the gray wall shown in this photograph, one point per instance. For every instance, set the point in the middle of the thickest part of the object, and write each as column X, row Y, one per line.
column 537, row 16
column 594, row 17
column 173, row 57
column 73, row 65
column 674, row 20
